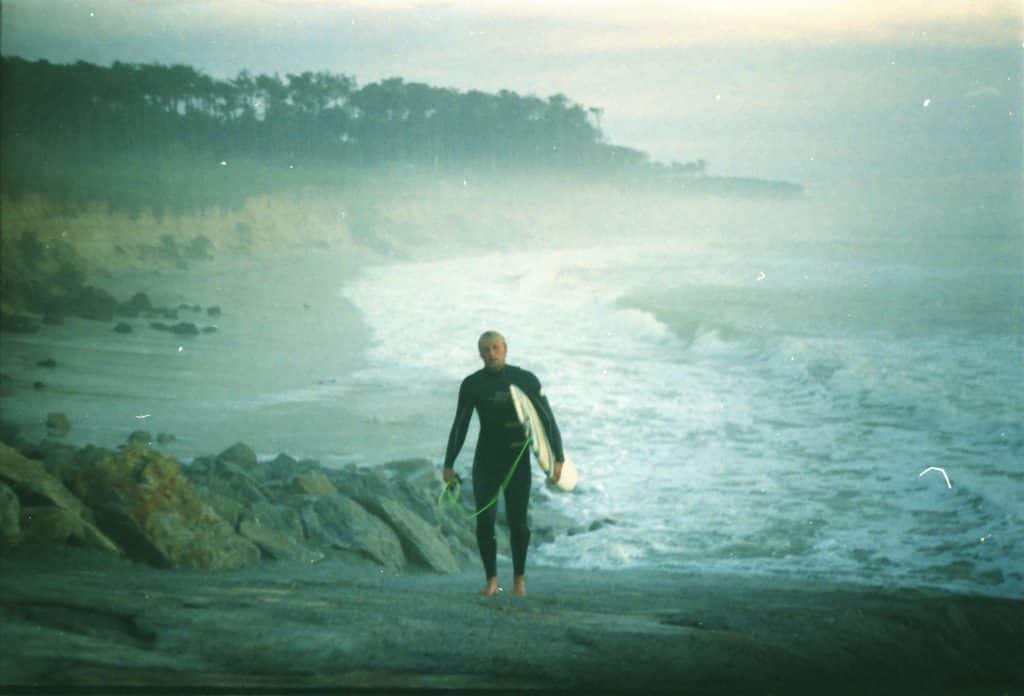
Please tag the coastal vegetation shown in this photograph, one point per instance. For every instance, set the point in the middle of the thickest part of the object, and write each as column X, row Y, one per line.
column 147, row 165
column 136, row 135
column 143, row 136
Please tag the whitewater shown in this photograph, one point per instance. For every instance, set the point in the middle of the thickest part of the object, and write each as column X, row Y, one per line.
column 776, row 389
column 785, row 407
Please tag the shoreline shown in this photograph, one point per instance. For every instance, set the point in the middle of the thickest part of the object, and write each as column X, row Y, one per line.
column 110, row 385
column 337, row 625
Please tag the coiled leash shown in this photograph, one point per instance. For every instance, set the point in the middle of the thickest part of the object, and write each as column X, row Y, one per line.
column 450, row 492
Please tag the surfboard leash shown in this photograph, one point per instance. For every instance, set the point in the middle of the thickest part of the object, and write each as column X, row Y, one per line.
column 450, row 492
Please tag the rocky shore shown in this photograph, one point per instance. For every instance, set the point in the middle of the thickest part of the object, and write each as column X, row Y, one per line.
column 231, row 510
column 124, row 569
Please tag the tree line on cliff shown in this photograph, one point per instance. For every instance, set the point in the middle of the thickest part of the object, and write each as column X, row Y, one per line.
column 153, row 109
column 168, row 139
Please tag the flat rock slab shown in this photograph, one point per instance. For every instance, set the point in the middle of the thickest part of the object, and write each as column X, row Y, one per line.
column 347, row 625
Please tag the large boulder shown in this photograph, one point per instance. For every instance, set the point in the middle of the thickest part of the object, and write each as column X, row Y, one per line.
column 412, row 486
column 93, row 303
column 244, row 456
column 10, row 517
column 277, row 531
column 338, row 522
column 422, row 542
column 54, row 525
column 33, row 484
column 145, row 503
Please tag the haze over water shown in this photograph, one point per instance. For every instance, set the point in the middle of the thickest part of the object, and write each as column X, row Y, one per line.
column 758, row 391
column 755, row 386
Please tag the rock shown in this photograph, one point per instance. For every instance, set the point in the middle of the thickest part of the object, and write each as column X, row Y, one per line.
column 213, row 311
column 360, row 484
column 57, row 457
column 48, row 362
column 9, row 433
column 184, row 328
column 414, row 485
column 242, row 455
column 45, row 525
column 422, row 542
column 282, row 466
column 10, row 517
column 312, row 483
column 230, row 509
column 93, row 303
column 412, row 469
column 123, row 328
column 144, row 502
column 277, row 531
column 18, row 323
column 57, row 423
column 166, row 313
column 165, row 438
column 209, row 329
column 143, row 437
column 90, row 454
column 54, row 525
column 65, row 468
column 228, row 479
column 137, row 305
column 338, row 522
column 38, row 386
column 33, row 484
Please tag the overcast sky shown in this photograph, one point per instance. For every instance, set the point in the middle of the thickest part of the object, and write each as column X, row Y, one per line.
column 791, row 89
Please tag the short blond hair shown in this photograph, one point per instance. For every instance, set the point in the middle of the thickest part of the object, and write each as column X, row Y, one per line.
column 489, row 336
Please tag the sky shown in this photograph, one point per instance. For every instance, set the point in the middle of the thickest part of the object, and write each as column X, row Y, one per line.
column 800, row 90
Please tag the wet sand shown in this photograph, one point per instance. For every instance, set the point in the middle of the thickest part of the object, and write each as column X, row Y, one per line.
column 285, row 338
column 86, row 620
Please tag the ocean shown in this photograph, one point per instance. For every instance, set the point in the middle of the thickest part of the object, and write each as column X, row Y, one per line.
column 801, row 397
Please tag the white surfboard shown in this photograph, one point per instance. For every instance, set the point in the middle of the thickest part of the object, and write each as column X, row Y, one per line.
column 539, row 443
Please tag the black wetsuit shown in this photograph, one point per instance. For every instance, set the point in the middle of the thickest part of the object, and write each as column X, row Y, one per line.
column 501, row 439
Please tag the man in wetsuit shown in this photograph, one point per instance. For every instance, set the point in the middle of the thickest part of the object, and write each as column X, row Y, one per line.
column 501, row 440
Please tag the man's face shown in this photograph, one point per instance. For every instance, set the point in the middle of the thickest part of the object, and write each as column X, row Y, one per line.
column 492, row 351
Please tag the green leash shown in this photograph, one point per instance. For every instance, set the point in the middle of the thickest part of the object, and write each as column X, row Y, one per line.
column 450, row 493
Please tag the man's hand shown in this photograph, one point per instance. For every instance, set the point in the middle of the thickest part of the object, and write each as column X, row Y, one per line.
column 556, row 472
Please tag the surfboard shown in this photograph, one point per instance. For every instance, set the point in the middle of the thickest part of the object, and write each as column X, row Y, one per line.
column 539, row 443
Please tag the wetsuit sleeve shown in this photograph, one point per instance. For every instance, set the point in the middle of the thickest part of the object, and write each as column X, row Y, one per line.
column 457, row 436
column 547, row 416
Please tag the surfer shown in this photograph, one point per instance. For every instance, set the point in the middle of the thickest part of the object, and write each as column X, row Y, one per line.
column 500, row 442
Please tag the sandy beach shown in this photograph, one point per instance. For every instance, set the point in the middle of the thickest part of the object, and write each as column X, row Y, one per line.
column 283, row 335
column 77, row 619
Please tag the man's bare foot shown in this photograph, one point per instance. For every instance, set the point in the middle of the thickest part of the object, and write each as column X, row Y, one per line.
column 491, row 588
column 519, row 586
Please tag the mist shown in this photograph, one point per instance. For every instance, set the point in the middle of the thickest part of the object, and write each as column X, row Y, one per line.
column 766, row 261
